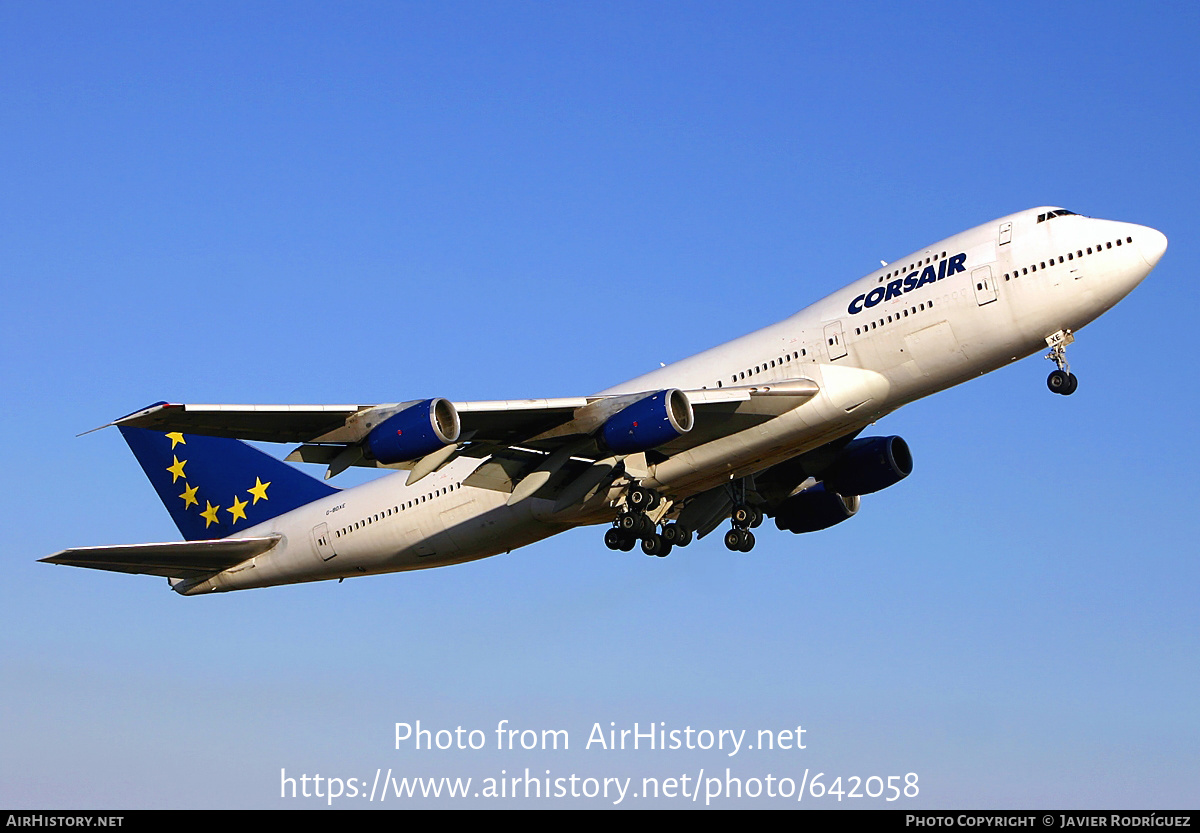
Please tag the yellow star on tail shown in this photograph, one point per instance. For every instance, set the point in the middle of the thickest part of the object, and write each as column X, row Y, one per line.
column 259, row 489
column 176, row 438
column 176, row 469
column 238, row 510
column 210, row 515
column 189, row 496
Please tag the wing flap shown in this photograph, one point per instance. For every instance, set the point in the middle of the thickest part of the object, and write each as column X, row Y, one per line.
column 173, row 559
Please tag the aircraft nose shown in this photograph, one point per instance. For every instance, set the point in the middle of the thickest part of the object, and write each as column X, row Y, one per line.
column 1152, row 244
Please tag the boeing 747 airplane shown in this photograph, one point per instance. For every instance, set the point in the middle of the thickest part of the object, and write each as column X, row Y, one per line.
column 766, row 425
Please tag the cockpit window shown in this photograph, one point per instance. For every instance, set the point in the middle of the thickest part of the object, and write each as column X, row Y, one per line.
column 1059, row 212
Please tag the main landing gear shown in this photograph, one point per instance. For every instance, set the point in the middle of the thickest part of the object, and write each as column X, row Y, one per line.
column 1062, row 380
column 643, row 520
column 744, row 518
column 636, row 522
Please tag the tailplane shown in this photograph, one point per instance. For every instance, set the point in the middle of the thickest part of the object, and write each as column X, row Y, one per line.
column 215, row 487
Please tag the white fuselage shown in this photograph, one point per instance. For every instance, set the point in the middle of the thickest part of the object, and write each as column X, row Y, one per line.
column 937, row 317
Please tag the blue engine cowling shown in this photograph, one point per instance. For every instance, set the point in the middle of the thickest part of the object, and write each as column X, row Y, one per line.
column 868, row 465
column 814, row 509
column 649, row 422
column 418, row 430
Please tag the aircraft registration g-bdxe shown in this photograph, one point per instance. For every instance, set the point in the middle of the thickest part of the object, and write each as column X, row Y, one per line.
column 765, row 425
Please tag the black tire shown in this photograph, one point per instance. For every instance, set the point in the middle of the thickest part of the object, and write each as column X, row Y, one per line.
column 653, row 544
column 629, row 522
column 758, row 518
column 742, row 516
column 643, row 499
column 733, row 540
column 628, row 542
column 677, row 535
column 1074, row 383
column 747, row 541
column 613, row 538
column 1059, row 382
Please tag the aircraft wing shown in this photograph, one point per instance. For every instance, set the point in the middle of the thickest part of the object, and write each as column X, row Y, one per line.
column 175, row 559
column 334, row 434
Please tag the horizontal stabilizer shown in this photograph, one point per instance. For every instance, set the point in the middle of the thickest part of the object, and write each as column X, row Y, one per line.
column 175, row 559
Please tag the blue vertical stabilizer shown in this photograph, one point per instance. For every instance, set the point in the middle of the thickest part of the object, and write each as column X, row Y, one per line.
column 215, row 487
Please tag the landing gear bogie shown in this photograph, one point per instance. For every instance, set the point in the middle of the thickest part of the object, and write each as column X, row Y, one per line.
column 643, row 512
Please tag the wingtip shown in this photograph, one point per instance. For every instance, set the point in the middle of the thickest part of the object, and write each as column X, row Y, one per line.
column 141, row 412
column 149, row 409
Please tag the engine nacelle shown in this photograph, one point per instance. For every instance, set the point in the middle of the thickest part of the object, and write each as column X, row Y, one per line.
column 649, row 422
column 814, row 509
column 869, row 464
column 418, row 430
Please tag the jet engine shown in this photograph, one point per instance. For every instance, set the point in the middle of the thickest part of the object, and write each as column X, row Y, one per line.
column 864, row 466
column 418, row 430
column 814, row 509
column 868, row 465
column 649, row 422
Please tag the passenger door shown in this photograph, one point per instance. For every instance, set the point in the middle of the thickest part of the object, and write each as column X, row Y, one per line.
column 322, row 541
column 985, row 287
column 834, row 342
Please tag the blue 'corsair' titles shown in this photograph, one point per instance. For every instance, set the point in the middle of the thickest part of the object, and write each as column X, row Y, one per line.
column 913, row 280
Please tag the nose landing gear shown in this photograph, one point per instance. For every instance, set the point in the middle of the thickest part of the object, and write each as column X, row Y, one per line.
column 1061, row 381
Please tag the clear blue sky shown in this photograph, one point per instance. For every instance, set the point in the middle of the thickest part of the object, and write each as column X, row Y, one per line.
column 289, row 202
